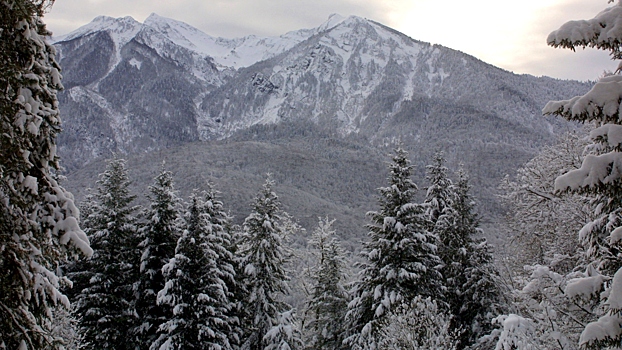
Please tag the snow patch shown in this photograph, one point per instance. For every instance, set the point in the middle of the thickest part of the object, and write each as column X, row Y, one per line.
column 136, row 63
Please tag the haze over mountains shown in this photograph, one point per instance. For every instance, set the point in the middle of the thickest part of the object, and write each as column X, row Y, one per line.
column 320, row 108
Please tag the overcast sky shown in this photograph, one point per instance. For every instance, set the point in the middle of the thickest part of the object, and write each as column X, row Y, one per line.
column 509, row 34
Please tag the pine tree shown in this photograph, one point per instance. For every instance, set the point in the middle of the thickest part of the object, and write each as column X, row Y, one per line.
column 159, row 237
column 264, row 277
column 106, row 305
column 600, row 174
column 38, row 219
column 197, row 279
column 329, row 299
column 401, row 260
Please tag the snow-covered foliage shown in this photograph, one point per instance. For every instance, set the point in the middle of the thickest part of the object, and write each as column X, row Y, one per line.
column 554, row 287
column 516, row 333
column 105, row 300
column 400, row 258
column 38, row 218
column 329, row 299
column 159, row 237
column 263, row 258
column 420, row 325
column 600, row 174
column 197, row 282
column 604, row 31
column 544, row 223
column 65, row 327
column 285, row 335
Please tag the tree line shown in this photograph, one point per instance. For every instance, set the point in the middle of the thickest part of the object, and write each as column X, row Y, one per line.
column 182, row 276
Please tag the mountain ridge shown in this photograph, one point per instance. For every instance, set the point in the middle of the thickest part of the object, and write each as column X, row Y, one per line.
column 347, row 78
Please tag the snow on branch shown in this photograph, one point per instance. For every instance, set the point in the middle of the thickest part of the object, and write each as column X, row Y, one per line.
column 596, row 170
column 607, row 327
column 603, row 32
column 610, row 134
column 614, row 301
column 585, row 286
column 601, row 103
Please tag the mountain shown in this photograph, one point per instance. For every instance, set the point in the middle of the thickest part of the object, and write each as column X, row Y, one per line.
column 162, row 85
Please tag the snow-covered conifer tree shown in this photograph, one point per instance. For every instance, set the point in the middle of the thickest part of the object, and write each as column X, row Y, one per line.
column 285, row 334
column 439, row 195
column 197, row 278
column 401, row 259
column 329, row 299
column 264, row 277
column 38, row 218
column 221, row 241
column 470, row 276
column 105, row 306
column 159, row 237
column 600, row 174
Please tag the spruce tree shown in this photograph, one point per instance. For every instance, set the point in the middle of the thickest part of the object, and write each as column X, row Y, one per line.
column 158, row 240
column 221, row 242
column 197, row 278
column 105, row 306
column 439, row 195
column 265, row 278
column 470, row 277
column 401, row 259
column 329, row 299
column 38, row 219
column 600, row 174
column 285, row 334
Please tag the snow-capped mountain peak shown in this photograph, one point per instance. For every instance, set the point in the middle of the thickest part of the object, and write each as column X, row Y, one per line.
column 121, row 30
column 333, row 20
column 182, row 34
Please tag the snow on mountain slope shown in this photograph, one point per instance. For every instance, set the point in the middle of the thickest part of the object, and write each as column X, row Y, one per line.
column 135, row 87
column 358, row 76
column 232, row 53
column 226, row 53
column 122, row 29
